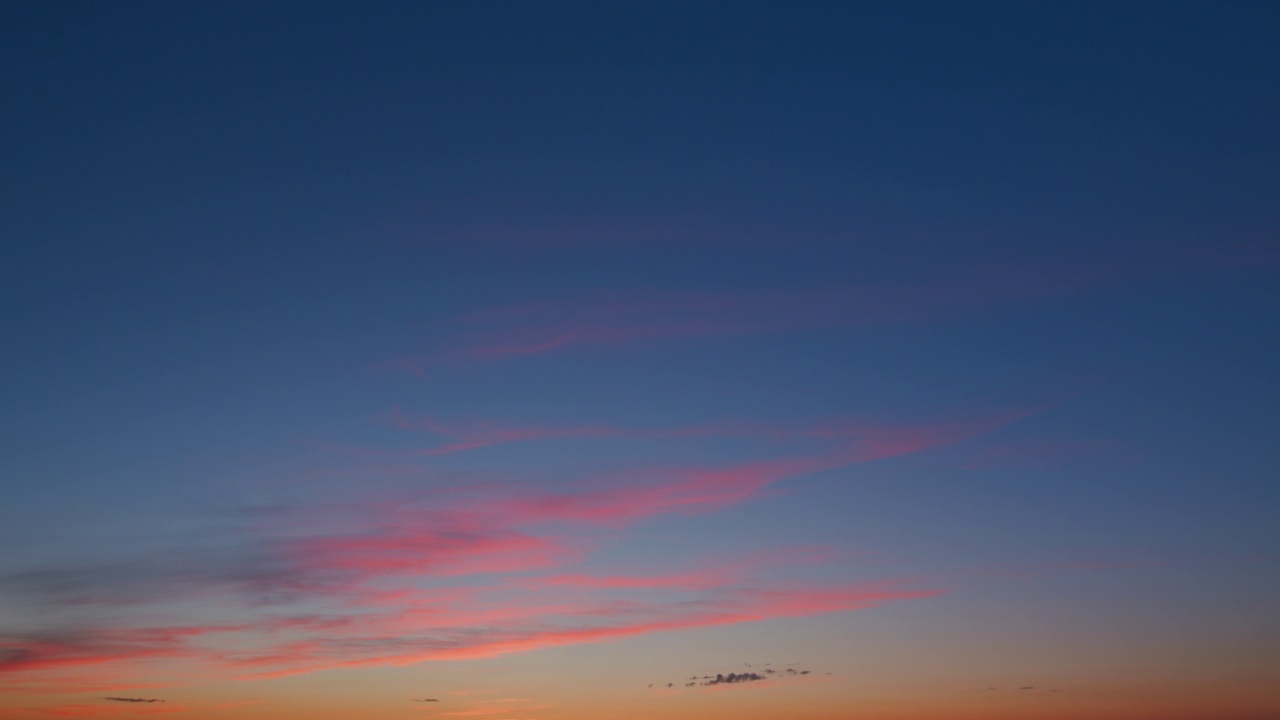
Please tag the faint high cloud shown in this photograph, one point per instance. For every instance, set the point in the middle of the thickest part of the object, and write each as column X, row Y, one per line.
column 472, row 435
column 620, row 319
column 873, row 440
column 133, row 700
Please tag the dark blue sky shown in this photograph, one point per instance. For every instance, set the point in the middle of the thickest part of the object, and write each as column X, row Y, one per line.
column 986, row 283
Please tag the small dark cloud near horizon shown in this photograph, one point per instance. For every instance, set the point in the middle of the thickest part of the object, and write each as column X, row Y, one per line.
column 1027, row 687
column 132, row 700
column 428, row 700
column 743, row 677
column 734, row 678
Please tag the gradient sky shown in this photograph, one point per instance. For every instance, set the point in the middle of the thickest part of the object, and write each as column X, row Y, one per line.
column 554, row 361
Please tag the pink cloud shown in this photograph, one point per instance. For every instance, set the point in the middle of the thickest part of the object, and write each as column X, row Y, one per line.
column 701, row 489
column 695, row 580
column 877, row 440
column 473, row 435
column 368, row 606
column 101, row 647
column 483, row 571
column 680, row 489
column 451, row 551
column 533, row 329
column 606, row 623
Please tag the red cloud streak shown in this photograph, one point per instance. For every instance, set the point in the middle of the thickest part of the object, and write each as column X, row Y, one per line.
column 386, row 588
column 604, row 624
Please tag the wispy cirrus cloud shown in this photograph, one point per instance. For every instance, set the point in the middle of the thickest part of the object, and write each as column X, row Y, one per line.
column 476, row 434
column 450, row 574
column 885, row 440
column 76, row 647
column 485, row 576
column 606, row 622
column 620, row 319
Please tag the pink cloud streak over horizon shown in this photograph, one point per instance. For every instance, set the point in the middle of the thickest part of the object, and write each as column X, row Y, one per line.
column 484, row 571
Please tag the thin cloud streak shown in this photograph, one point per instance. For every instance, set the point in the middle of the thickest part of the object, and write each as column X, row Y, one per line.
column 475, row 572
column 728, row 606
column 370, row 606
column 533, row 329
column 888, row 440
column 487, row 433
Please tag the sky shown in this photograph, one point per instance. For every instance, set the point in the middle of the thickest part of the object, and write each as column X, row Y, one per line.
column 565, row 361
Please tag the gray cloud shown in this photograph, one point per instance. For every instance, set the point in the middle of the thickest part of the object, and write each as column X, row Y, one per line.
column 744, row 677
column 734, row 678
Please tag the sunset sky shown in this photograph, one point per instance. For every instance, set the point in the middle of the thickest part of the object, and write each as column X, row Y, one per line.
column 629, row 360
